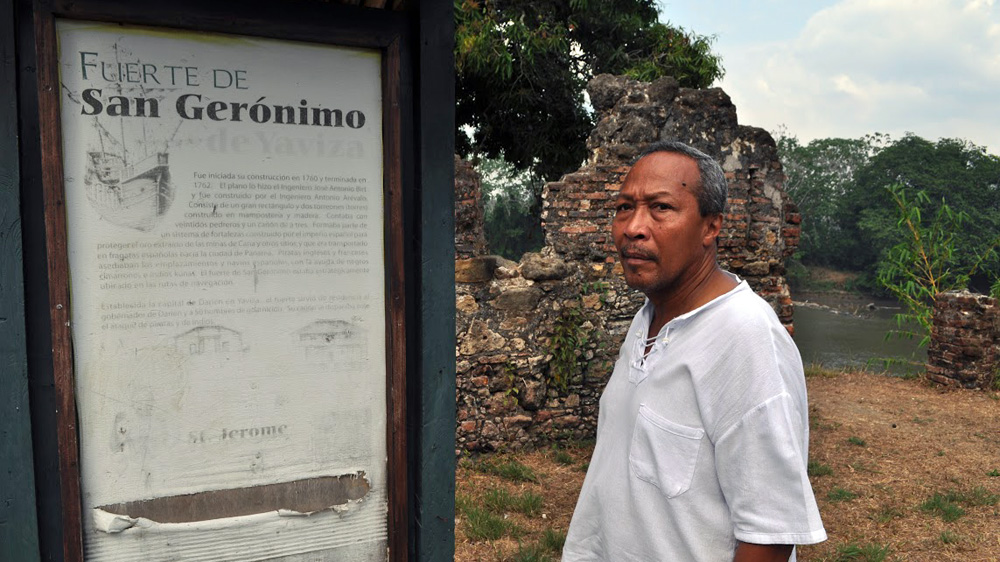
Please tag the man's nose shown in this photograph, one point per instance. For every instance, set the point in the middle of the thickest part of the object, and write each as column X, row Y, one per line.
column 637, row 224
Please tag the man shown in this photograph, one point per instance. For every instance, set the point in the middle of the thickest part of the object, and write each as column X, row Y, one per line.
column 702, row 436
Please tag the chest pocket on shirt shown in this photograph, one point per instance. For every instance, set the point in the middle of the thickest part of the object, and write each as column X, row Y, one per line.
column 664, row 453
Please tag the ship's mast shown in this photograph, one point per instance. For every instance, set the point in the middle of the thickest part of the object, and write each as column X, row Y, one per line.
column 121, row 122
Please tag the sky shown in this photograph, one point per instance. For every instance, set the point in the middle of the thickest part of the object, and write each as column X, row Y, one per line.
column 827, row 68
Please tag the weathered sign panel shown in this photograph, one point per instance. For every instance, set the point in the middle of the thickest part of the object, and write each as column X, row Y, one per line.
column 225, row 235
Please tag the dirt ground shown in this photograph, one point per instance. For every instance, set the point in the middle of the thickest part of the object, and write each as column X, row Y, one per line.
column 902, row 470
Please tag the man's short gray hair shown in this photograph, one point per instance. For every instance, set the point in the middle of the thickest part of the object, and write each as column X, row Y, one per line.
column 714, row 190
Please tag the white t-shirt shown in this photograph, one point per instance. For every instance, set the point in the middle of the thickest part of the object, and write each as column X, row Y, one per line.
column 702, row 443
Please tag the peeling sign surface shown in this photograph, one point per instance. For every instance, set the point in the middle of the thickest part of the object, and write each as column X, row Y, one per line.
column 224, row 209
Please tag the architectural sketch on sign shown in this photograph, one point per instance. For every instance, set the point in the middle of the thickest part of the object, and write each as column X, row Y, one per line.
column 332, row 339
column 209, row 339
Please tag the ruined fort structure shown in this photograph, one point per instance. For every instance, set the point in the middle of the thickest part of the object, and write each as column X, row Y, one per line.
column 537, row 339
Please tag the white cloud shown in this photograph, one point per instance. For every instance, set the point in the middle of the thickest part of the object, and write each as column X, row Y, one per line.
column 931, row 67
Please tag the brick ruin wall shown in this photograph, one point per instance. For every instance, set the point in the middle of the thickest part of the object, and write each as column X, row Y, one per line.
column 537, row 339
column 964, row 350
column 469, row 237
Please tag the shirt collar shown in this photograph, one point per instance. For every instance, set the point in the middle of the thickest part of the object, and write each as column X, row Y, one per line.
column 647, row 307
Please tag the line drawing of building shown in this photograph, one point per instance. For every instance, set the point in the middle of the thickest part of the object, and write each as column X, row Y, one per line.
column 203, row 340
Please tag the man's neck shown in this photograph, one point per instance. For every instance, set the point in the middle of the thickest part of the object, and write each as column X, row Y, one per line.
column 707, row 284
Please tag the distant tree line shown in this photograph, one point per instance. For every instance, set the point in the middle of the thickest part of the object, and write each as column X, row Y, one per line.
column 862, row 198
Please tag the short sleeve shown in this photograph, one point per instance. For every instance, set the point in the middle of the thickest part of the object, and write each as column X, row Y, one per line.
column 761, row 464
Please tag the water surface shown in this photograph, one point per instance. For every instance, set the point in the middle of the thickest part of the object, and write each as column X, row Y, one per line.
column 852, row 334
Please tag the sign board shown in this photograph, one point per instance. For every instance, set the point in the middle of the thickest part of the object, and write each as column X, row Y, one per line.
column 225, row 225
column 238, row 268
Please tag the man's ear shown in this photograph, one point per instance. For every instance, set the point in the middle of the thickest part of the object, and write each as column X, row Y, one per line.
column 712, row 226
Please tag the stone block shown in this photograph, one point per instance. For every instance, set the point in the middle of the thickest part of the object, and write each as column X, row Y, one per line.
column 538, row 267
column 474, row 270
column 518, row 299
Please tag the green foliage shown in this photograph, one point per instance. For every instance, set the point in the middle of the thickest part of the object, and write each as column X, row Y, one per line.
column 951, row 170
column 512, row 208
column 818, row 176
column 838, row 494
column 926, row 261
column 508, row 469
column 568, row 338
column 993, row 473
column 522, row 66
column 868, row 552
column 850, row 222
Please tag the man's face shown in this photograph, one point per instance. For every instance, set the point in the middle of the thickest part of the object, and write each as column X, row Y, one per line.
column 661, row 237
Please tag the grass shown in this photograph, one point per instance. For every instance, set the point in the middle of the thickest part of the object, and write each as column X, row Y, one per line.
column 855, row 440
column 554, row 540
column 528, row 503
column 868, row 552
column 869, row 515
column 817, row 370
column 817, row 469
column 947, row 537
column 838, row 494
column 533, row 553
column 500, row 500
column 562, row 457
column 481, row 524
column 980, row 496
column 947, row 504
column 887, row 513
column 943, row 506
column 508, row 469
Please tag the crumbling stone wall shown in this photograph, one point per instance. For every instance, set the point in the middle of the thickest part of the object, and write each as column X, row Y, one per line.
column 761, row 228
column 470, row 239
column 537, row 339
column 509, row 316
column 964, row 350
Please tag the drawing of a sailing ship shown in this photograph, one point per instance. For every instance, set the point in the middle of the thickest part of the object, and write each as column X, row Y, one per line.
column 125, row 189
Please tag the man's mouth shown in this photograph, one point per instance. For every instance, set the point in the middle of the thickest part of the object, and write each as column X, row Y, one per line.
column 629, row 253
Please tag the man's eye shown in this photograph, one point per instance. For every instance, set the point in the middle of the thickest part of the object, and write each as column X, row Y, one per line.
column 622, row 207
column 661, row 206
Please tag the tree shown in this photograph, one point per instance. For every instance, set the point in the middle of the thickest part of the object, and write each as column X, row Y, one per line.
column 818, row 175
column 951, row 170
column 926, row 262
column 522, row 66
column 510, row 221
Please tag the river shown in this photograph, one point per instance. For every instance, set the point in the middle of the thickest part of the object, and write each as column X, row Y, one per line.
column 846, row 331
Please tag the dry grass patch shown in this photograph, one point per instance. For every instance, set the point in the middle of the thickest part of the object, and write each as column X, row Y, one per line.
column 902, row 471
column 538, row 508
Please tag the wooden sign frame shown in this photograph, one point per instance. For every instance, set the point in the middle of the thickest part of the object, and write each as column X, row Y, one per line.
column 311, row 23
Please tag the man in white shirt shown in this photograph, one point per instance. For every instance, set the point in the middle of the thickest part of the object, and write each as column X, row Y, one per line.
column 703, row 434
